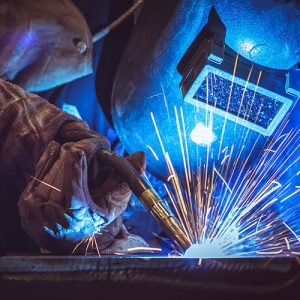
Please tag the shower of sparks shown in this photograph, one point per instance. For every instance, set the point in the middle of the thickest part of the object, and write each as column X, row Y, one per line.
column 89, row 245
column 139, row 249
column 232, row 206
column 45, row 183
column 153, row 152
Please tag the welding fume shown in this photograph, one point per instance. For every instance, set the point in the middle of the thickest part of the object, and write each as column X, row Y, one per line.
column 168, row 128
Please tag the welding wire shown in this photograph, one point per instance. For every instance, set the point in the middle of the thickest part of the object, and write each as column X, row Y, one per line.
column 105, row 31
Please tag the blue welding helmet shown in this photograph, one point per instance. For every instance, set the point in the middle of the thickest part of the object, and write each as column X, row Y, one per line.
column 215, row 75
column 207, row 77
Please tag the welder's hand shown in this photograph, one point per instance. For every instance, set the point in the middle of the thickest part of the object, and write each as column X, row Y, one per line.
column 72, row 197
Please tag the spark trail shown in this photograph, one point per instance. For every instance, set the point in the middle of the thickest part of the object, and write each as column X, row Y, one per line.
column 237, row 203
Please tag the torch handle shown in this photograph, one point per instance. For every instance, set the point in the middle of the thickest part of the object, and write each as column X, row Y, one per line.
column 144, row 191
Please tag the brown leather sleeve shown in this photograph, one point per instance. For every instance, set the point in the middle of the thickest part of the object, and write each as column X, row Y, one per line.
column 27, row 124
column 76, row 131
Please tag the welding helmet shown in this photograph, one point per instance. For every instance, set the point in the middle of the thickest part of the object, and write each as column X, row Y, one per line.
column 207, row 77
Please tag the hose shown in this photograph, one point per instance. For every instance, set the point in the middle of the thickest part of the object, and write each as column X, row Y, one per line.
column 105, row 31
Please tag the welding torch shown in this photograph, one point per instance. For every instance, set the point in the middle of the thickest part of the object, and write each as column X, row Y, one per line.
column 145, row 192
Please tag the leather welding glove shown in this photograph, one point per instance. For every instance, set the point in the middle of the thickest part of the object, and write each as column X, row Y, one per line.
column 72, row 198
column 38, row 139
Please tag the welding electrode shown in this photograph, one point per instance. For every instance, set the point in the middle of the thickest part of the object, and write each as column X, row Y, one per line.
column 143, row 189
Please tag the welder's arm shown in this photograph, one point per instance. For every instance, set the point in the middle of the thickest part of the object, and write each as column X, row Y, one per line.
column 71, row 199
column 51, row 157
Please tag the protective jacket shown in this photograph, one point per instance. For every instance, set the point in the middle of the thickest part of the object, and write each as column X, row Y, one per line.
column 51, row 183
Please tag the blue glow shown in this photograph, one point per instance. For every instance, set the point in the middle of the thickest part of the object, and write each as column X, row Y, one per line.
column 204, row 251
column 214, row 248
column 71, row 109
column 28, row 40
column 202, row 135
column 246, row 45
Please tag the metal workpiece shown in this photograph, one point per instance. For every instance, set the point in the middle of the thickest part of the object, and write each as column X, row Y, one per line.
column 142, row 277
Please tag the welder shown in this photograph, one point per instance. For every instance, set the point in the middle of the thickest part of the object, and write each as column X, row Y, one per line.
column 146, row 79
column 48, row 161
column 69, row 187
column 50, row 158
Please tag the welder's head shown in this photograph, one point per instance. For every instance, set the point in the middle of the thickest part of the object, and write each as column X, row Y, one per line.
column 208, row 76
